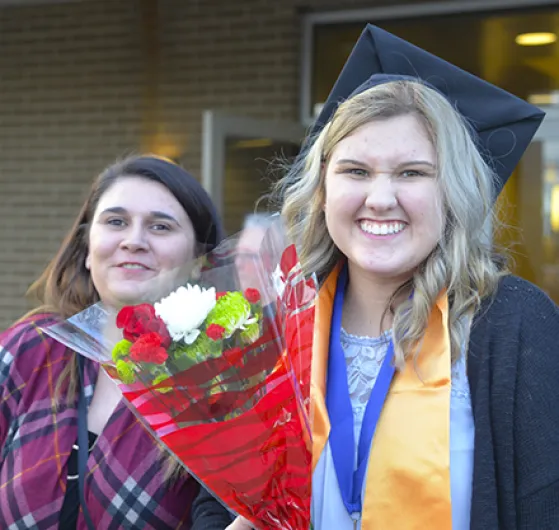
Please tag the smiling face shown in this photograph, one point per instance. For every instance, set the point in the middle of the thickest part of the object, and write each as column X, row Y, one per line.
column 383, row 206
column 139, row 241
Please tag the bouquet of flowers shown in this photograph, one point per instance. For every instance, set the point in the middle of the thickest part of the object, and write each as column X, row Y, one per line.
column 188, row 326
column 219, row 372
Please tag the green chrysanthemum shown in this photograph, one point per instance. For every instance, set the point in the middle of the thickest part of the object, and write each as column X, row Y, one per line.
column 125, row 372
column 121, row 349
column 159, row 379
column 190, row 354
column 231, row 311
column 250, row 333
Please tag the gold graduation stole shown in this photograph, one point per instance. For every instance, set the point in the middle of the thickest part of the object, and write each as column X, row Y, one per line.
column 408, row 479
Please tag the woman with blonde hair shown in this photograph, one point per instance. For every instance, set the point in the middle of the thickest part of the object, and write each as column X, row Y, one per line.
column 435, row 372
column 73, row 455
column 436, row 368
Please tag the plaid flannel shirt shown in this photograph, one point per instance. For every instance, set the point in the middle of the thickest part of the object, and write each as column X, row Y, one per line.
column 124, row 485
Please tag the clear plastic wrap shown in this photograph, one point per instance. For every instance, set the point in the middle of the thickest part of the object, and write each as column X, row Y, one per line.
column 219, row 372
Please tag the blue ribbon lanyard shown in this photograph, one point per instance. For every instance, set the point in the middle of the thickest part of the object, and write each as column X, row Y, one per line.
column 338, row 402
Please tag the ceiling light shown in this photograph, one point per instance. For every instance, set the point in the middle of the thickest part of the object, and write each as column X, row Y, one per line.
column 544, row 98
column 535, row 39
column 554, row 213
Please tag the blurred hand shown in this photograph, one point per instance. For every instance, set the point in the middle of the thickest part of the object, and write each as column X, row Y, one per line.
column 240, row 523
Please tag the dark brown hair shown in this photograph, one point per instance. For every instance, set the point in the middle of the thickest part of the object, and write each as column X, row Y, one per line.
column 66, row 288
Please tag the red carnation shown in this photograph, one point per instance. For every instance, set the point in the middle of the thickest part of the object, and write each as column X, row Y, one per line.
column 138, row 320
column 220, row 295
column 234, row 355
column 148, row 349
column 252, row 295
column 215, row 331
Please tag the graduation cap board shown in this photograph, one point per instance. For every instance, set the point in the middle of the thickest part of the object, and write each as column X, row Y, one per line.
column 504, row 123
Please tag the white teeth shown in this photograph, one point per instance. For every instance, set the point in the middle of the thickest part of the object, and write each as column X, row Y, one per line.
column 381, row 229
column 132, row 266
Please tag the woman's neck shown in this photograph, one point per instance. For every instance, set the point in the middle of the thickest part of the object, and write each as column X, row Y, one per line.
column 367, row 309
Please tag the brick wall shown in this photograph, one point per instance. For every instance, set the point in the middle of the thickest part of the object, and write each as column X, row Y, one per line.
column 84, row 82
column 242, row 57
column 70, row 101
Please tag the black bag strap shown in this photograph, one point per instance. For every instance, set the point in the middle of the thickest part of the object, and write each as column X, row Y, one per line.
column 83, row 443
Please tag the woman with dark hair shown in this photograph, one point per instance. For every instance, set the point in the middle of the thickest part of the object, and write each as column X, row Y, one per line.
column 72, row 454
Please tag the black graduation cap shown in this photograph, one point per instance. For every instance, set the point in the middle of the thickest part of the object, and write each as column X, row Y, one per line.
column 505, row 124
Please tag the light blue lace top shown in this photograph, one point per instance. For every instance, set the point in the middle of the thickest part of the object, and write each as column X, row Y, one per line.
column 364, row 356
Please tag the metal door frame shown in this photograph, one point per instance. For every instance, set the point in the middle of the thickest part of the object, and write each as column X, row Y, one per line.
column 218, row 126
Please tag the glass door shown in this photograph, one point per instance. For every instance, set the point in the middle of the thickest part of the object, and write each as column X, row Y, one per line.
column 538, row 192
column 241, row 159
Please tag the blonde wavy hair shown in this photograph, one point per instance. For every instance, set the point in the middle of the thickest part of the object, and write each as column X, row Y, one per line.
column 462, row 262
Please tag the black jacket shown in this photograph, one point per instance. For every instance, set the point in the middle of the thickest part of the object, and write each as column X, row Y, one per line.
column 513, row 371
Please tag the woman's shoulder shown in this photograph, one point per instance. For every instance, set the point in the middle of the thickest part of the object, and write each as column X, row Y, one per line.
column 511, row 285
column 27, row 328
column 516, row 321
column 517, row 327
column 518, row 297
column 26, row 345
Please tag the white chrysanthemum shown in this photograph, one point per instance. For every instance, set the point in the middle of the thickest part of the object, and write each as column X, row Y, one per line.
column 185, row 310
